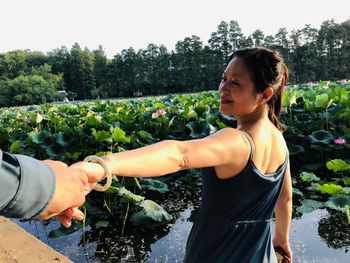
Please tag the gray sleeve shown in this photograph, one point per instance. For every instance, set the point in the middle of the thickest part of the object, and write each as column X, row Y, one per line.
column 27, row 185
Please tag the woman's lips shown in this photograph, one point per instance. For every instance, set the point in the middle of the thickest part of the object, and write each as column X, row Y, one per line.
column 223, row 101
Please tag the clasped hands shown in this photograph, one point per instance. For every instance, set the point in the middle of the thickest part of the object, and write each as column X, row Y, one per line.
column 73, row 183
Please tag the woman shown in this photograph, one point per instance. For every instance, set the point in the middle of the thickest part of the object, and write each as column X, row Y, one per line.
column 246, row 176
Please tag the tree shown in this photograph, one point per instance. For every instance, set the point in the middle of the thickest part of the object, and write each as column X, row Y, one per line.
column 258, row 37
column 26, row 90
column 14, row 64
column 188, row 64
column 220, row 40
column 235, row 36
column 99, row 72
column 81, row 77
column 59, row 60
column 154, row 67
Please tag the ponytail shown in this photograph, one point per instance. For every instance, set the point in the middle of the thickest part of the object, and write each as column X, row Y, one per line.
column 275, row 103
column 275, row 108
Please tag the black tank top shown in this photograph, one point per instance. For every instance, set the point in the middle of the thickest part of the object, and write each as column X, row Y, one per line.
column 233, row 222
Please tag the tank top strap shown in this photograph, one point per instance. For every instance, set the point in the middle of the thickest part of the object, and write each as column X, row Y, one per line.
column 252, row 145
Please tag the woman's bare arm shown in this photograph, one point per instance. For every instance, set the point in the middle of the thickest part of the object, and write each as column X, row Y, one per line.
column 283, row 213
column 223, row 147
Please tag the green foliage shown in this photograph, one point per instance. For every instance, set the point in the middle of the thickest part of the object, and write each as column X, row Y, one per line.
column 25, row 90
column 321, row 137
column 338, row 202
column 331, row 189
column 68, row 132
column 154, row 185
column 309, row 177
column 338, row 165
column 129, row 197
column 102, row 224
column 309, row 205
column 151, row 211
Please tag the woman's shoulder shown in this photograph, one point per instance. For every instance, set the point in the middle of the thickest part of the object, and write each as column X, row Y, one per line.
column 231, row 135
column 230, row 131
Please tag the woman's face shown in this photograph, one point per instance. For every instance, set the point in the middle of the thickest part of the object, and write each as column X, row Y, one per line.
column 237, row 93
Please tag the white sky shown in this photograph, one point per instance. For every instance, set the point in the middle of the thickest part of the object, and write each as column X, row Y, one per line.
column 43, row 25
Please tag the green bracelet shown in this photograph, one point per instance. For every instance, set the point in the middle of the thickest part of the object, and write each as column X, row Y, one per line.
column 108, row 174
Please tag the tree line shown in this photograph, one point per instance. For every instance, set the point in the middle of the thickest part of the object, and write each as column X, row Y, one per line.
column 32, row 77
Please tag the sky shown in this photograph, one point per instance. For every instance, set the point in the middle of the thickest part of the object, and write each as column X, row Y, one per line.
column 43, row 25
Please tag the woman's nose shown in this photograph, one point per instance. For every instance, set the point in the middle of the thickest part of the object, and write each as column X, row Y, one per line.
column 222, row 87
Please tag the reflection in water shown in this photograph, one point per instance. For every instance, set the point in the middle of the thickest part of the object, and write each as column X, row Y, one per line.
column 309, row 247
column 334, row 229
column 313, row 236
column 171, row 248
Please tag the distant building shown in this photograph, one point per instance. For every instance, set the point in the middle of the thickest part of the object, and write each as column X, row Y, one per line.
column 63, row 94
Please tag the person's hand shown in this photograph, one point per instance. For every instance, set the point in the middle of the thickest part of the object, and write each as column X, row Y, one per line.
column 94, row 172
column 72, row 185
column 284, row 245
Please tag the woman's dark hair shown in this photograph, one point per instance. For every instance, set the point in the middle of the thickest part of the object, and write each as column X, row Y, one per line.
column 266, row 69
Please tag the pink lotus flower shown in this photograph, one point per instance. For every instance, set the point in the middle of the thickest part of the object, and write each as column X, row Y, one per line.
column 160, row 112
column 343, row 81
column 311, row 84
column 340, row 141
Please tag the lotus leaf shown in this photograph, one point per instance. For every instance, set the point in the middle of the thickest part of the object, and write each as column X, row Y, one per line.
column 331, row 189
column 151, row 212
column 155, row 211
column 16, row 147
column 321, row 137
column 309, row 177
column 101, row 136
column 338, row 202
column 323, row 101
column 199, row 129
column 309, row 205
column 155, row 185
column 338, row 165
column 101, row 224
column 118, row 135
column 129, row 197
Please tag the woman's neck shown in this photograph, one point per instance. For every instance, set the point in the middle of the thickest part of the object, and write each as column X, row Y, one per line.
column 246, row 122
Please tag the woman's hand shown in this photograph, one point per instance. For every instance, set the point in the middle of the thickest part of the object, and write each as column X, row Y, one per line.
column 284, row 245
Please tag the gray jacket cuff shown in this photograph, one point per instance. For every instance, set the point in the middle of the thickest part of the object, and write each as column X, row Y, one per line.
column 36, row 188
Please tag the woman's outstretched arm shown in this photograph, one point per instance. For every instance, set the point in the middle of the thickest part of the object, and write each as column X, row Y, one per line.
column 223, row 147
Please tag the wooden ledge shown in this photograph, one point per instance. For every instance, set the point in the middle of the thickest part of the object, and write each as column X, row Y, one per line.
column 18, row 246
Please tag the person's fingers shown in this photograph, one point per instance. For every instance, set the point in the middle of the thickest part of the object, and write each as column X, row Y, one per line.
column 77, row 214
column 64, row 220
column 66, row 217
column 69, row 212
column 74, row 213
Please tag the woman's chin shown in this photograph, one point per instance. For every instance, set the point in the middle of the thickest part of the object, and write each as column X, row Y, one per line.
column 225, row 111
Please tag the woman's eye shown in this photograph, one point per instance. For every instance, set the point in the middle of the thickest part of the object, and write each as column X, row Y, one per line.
column 234, row 82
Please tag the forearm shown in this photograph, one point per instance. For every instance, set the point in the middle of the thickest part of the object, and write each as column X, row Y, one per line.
column 27, row 186
column 154, row 160
column 283, row 214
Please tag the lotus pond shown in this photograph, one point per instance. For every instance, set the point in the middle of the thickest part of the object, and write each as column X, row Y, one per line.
column 149, row 220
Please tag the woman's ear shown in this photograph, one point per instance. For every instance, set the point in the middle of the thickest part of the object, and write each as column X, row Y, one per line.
column 266, row 95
